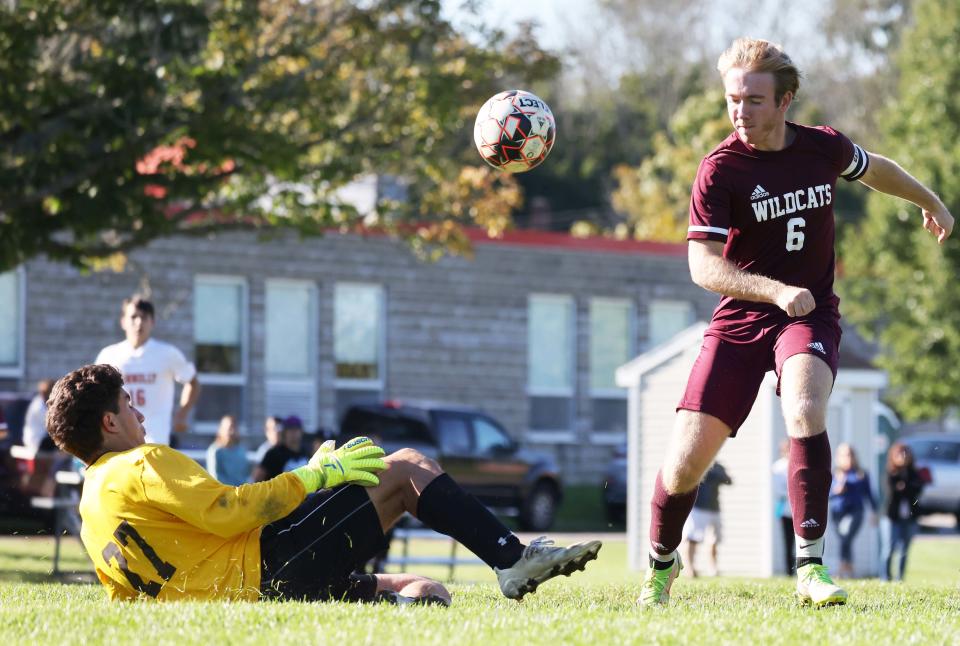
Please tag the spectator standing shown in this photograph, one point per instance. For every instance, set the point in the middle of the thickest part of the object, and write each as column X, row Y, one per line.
column 287, row 455
column 227, row 457
column 851, row 487
column 271, row 433
column 150, row 368
column 705, row 516
column 904, row 486
column 782, row 508
column 35, row 435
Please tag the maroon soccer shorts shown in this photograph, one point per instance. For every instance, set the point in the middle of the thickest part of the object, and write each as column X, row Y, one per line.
column 726, row 376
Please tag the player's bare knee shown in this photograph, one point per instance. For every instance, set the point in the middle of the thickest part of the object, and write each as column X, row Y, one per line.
column 417, row 460
column 804, row 417
column 413, row 466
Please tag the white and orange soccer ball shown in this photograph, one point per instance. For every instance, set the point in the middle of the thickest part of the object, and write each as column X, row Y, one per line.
column 514, row 131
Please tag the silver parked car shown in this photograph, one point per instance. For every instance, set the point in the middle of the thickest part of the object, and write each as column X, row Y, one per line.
column 940, row 453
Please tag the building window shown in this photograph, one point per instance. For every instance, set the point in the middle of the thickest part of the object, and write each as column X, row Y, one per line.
column 290, row 350
column 219, row 335
column 550, row 361
column 290, row 346
column 358, row 343
column 611, row 346
column 668, row 318
column 11, row 323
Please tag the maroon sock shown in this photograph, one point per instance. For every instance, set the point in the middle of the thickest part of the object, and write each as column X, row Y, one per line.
column 668, row 512
column 808, row 484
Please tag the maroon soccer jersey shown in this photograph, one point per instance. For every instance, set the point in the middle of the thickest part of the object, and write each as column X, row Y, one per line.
column 774, row 211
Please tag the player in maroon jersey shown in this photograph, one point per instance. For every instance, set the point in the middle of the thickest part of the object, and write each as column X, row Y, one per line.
column 761, row 235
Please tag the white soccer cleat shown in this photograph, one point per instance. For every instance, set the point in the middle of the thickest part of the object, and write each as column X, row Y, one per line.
column 814, row 586
column 541, row 561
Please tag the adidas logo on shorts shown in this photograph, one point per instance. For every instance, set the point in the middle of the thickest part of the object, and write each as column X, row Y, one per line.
column 759, row 193
column 816, row 345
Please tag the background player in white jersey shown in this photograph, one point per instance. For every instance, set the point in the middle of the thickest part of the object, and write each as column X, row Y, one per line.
column 150, row 368
column 761, row 235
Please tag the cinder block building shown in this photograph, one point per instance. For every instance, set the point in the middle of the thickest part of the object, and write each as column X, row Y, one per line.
column 531, row 329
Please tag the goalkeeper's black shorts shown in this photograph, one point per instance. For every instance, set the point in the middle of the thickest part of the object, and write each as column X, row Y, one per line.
column 313, row 553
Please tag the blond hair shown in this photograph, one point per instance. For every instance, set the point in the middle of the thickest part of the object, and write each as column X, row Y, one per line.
column 755, row 55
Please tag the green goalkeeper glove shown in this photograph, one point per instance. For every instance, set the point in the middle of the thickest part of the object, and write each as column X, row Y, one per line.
column 356, row 461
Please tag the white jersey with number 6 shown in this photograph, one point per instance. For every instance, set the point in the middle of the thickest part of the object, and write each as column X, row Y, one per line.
column 148, row 375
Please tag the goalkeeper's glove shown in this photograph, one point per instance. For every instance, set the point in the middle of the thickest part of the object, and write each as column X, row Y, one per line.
column 356, row 462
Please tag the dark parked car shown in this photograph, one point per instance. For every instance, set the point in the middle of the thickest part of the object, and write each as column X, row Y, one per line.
column 473, row 448
column 939, row 453
column 614, row 487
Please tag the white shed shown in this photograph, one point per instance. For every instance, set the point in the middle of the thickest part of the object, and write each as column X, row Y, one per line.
column 752, row 544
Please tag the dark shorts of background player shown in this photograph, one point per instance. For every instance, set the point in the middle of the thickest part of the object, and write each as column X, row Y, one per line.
column 726, row 376
column 314, row 553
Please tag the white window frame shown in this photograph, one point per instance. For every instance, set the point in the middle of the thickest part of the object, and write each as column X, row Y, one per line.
column 556, row 436
column 612, row 437
column 232, row 379
column 342, row 383
column 691, row 316
column 18, row 369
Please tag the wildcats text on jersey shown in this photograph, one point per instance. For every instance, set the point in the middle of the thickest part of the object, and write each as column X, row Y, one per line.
column 799, row 200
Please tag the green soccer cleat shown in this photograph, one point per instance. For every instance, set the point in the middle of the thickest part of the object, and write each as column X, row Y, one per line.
column 541, row 561
column 655, row 590
column 814, row 586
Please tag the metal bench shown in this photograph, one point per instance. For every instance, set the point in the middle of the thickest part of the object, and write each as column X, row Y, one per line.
column 406, row 534
column 65, row 506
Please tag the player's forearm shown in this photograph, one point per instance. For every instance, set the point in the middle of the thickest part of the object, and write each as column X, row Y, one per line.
column 719, row 275
column 887, row 176
column 189, row 395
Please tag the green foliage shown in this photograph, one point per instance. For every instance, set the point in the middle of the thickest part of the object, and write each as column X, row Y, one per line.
column 898, row 285
column 607, row 127
column 655, row 195
column 124, row 121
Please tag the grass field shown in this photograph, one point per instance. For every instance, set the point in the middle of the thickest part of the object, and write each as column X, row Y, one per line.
column 593, row 607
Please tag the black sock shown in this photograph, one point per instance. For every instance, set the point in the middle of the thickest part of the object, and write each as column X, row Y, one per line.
column 660, row 565
column 446, row 508
column 807, row 560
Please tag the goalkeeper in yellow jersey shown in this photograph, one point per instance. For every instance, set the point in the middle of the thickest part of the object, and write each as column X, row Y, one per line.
column 157, row 526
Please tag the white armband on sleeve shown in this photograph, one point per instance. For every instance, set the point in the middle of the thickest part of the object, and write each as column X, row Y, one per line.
column 858, row 165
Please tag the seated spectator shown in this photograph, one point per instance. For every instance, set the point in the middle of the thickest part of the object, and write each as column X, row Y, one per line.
column 4, row 429
column 35, row 435
column 227, row 457
column 287, row 455
column 271, row 432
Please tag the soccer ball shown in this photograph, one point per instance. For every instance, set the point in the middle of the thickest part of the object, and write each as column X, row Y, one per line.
column 515, row 131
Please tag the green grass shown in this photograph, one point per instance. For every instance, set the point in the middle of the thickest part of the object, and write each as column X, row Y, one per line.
column 593, row 607
column 582, row 511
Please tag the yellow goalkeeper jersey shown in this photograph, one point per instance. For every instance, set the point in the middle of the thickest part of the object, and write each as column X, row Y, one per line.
column 156, row 525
